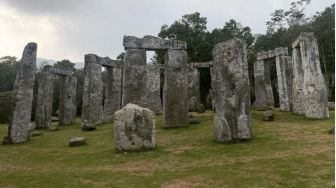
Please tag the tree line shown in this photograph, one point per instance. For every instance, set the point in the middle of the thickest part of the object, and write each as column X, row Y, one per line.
column 282, row 29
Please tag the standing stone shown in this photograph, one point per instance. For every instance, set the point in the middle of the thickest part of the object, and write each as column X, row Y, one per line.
column 289, row 75
column 153, row 88
column 268, row 82
column 44, row 102
column 309, row 91
column 134, row 128
column 232, row 120
column 213, row 89
column 20, row 125
column 134, row 77
column 175, row 91
column 283, row 89
column 314, row 89
column 193, row 89
column 297, row 84
column 261, row 102
column 112, row 102
column 92, row 109
column 67, row 106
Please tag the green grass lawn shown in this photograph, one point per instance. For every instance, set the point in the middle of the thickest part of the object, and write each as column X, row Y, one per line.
column 292, row 151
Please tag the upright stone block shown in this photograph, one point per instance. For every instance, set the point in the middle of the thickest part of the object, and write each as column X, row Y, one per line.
column 194, row 89
column 153, row 88
column 314, row 89
column 92, row 110
column 134, row 128
column 175, row 91
column 268, row 82
column 20, row 125
column 112, row 102
column 261, row 96
column 67, row 105
column 297, row 84
column 44, row 102
column 134, row 77
column 232, row 120
column 283, row 89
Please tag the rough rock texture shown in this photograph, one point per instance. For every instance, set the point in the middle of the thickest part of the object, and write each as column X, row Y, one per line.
column 152, row 43
column 44, row 102
column 283, row 89
column 134, row 128
column 20, row 125
column 153, row 88
column 134, row 77
column 297, row 84
column 268, row 116
column 211, row 95
column 232, row 120
column 112, row 101
column 67, row 103
column 92, row 93
column 77, row 141
column 193, row 89
column 331, row 106
column 175, row 91
column 263, row 86
column 314, row 92
column 272, row 53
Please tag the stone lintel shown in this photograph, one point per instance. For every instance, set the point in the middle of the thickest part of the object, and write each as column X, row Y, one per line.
column 296, row 43
column 272, row 53
column 58, row 70
column 201, row 64
column 153, row 43
column 104, row 61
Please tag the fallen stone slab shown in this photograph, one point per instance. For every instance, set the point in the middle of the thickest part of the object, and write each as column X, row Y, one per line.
column 77, row 141
column 331, row 105
column 193, row 121
column 35, row 133
column 53, row 128
column 332, row 130
column 268, row 116
column 54, row 119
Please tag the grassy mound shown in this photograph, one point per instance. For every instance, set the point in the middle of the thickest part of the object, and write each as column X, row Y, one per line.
column 292, row 151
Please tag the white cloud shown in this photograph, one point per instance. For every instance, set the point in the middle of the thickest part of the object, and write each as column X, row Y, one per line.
column 68, row 29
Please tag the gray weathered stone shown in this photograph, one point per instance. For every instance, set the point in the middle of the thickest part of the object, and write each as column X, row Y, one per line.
column 283, row 89
column 331, row 106
column 272, row 53
column 268, row 116
column 134, row 77
column 44, row 102
column 297, row 84
column 20, row 125
column 153, row 43
column 193, row 89
column 134, row 128
column 67, row 103
column 153, row 88
column 262, row 85
column 92, row 93
column 35, row 133
column 314, row 93
column 211, row 95
column 232, row 120
column 77, row 141
column 175, row 91
column 112, row 101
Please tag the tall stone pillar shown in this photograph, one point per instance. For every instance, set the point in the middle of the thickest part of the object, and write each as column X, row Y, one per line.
column 232, row 120
column 44, row 102
column 283, row 89
column 20, row 125
column 314, row 88
column 268, row 82
column 153, row 88
column 194, row 95
column 112, row 101
column 297, row 84
column 67, row 106
column 213, row 88
column 175, row 91
column 92, row 109
column 134, row 77
column 261, row 96
column 289, row 75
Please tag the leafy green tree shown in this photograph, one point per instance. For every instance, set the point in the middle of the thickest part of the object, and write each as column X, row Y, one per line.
column 8, row 69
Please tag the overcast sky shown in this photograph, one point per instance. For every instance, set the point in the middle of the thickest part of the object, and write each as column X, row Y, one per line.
column 68, row 29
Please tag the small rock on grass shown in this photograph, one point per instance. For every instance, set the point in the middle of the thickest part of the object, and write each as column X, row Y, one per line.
column 77, row 141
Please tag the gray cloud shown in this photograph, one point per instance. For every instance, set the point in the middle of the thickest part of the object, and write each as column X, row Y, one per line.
column 97, row 26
